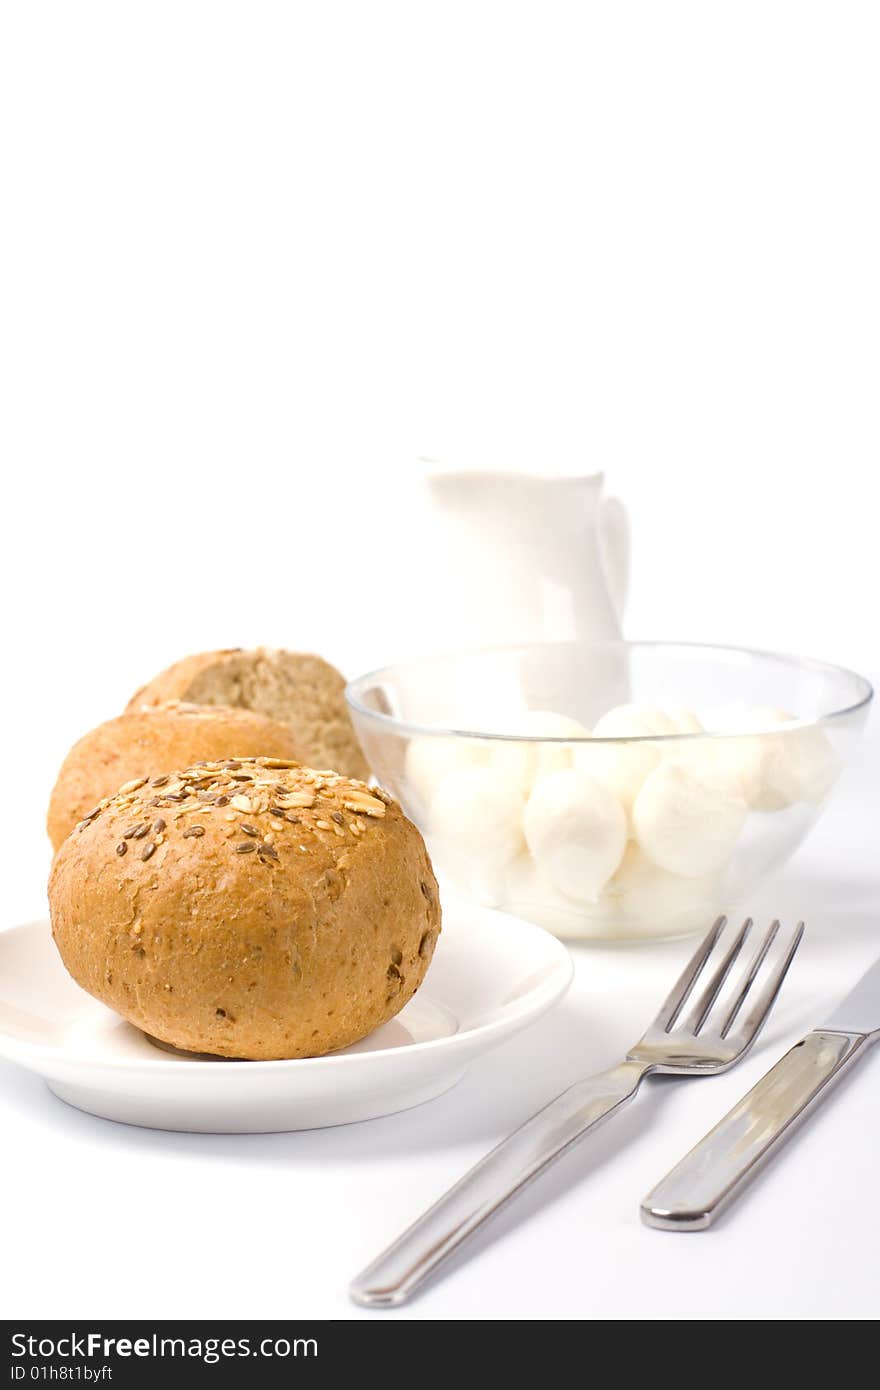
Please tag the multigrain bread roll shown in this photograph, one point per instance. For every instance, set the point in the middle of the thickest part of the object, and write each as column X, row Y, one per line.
column 150, row 742
column 301, row 690
column 249, row 908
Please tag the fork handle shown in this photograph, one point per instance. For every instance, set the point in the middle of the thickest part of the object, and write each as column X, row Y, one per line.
column 415, row 1255
column 700, row 1186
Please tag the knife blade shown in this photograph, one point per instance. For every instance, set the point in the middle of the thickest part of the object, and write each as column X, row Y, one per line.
column 860, row 1010
column 705, row 1181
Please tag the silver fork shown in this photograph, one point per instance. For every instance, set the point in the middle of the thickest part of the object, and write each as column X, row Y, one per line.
column 699, row 1045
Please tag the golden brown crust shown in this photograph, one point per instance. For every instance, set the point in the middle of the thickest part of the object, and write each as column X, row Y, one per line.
column 251, row 909
column 301, row 689
column 151, row 742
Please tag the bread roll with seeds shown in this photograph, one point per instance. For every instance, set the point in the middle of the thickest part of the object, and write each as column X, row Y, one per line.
column 301, row 690
column 148, row 743
column 248, row 909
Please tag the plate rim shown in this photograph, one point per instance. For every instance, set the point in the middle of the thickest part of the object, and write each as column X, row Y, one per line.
column 521, row 1012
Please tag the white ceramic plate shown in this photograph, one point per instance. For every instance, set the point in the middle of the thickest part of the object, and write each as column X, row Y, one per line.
column 491, row 976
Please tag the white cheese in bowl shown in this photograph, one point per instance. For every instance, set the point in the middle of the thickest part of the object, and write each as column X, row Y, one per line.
column 576, row 830
column 629, row 837
column 528, row 762
column 623, row 767
column 685, row 825
column 475, row 821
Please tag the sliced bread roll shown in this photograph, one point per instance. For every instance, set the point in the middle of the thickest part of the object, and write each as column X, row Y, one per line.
column 303, row 691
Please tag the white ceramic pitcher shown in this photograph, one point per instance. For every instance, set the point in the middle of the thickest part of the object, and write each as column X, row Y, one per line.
column 520, row 557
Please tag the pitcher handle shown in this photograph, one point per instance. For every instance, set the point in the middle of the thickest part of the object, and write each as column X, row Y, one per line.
column 614, row 551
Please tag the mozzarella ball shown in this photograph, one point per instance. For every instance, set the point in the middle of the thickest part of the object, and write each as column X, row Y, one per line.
column 716, row 762
column 530, row 761
column 789, row 767
column 576, row 830
column 475, row 827
column 623, row 767
column 429, row 760
column 776, row 770
column 529, row 893
column 634, row 721
column 653, row 902
column 686, row 825
column 684, row 721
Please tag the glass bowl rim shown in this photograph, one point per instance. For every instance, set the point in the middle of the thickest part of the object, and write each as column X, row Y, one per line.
column 391, row 724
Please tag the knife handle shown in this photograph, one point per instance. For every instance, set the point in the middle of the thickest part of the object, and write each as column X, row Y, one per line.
column 699, row 1187
column 414, row 1256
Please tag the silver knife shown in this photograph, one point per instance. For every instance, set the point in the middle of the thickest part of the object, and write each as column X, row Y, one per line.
column 698, row 1188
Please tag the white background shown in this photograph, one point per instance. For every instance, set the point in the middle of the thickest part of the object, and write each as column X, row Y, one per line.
column 255, row 259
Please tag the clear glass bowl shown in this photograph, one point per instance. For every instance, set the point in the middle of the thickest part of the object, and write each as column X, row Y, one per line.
column 637, row 832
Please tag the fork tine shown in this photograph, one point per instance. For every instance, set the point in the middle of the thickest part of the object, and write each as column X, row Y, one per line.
column 749, row 977
column 700, row 1011
column 751, row 1025
column 675, row 1000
